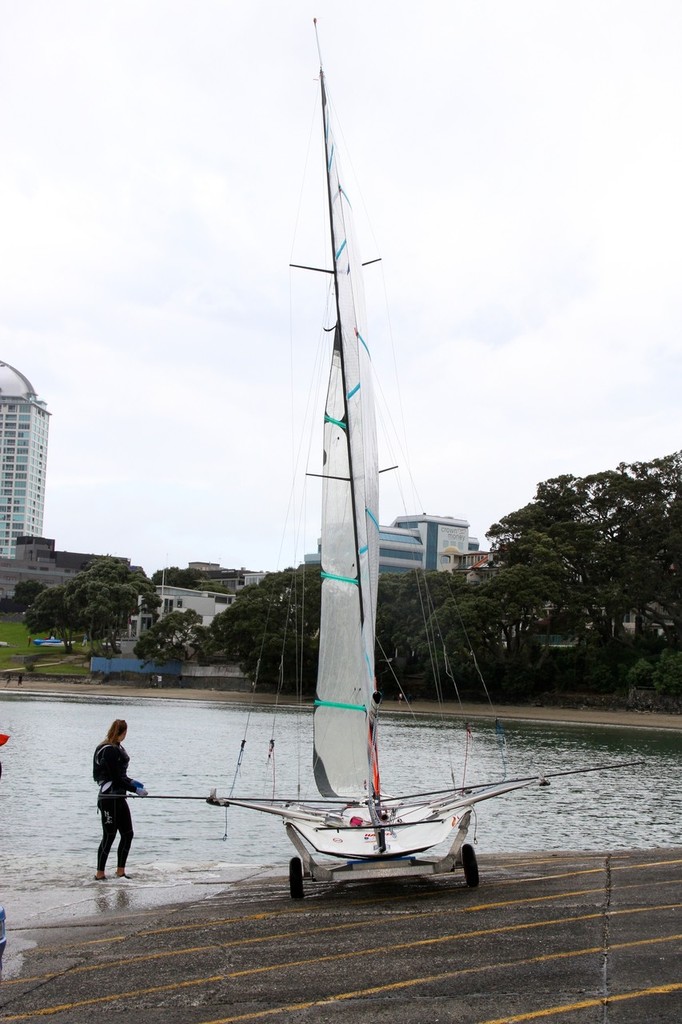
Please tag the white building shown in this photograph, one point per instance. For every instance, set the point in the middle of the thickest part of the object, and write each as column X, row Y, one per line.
column 206, row 603
column 438, row 535
column 24, row 427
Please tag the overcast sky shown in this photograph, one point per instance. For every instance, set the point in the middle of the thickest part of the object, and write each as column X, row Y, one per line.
column 515, row 164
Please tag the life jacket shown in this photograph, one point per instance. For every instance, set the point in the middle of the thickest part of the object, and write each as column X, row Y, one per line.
column 99, row 773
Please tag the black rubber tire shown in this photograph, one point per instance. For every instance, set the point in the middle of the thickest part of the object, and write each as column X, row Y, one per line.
column 296, row 878
column 470, row 865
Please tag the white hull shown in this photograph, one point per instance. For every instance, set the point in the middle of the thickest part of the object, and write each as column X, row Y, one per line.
column 363, row 840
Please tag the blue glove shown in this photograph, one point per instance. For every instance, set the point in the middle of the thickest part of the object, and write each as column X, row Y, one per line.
column 139, row 788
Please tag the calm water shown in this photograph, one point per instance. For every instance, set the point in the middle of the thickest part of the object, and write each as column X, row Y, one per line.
column 49, row 827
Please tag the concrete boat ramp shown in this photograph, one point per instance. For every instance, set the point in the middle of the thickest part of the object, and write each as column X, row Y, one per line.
column 592, row 938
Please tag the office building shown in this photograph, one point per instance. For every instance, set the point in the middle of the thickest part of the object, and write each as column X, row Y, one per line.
column 422, row 542
column 36, row 559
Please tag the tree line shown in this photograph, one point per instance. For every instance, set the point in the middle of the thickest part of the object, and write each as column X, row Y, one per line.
column 583, row 592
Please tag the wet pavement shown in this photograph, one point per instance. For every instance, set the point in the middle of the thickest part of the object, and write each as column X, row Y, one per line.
column 577, row 938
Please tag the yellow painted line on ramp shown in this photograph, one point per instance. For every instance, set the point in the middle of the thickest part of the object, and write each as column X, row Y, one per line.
column 391, row 986
column 46, row 1011
column 272, row 937
column 480, row 933
column 587, row 1004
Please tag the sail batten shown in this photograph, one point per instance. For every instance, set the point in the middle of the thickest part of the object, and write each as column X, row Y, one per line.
column 336, row 704
column 340, row 579
column 337, row 423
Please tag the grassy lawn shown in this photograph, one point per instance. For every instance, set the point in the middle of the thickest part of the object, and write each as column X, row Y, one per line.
column 51, row 662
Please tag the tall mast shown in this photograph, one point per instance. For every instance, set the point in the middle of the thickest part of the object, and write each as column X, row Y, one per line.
column 338, row 345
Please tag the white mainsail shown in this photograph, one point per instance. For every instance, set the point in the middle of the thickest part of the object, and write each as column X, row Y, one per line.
column 345, row 749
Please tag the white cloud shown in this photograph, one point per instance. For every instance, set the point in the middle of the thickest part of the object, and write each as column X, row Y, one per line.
column 520, row 167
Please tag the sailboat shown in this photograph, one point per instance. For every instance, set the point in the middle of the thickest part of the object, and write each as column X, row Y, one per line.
column 357, row 821
column 368, row 832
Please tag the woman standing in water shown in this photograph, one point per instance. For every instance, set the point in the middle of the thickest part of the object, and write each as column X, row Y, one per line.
column 109, row 769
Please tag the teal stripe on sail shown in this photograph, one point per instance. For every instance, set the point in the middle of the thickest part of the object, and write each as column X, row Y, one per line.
column 337, row 423
column 341, row 248
column 363, row 550
column 352, row 392
column 338, row 704
column 331, row 157
column 341, row 579
column 372, row 517
column 366, row 347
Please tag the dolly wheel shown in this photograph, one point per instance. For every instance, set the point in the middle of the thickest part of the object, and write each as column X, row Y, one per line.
column 296, row 878
column 470, row 865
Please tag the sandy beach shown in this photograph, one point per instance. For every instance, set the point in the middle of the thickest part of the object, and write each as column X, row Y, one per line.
column 534, row 712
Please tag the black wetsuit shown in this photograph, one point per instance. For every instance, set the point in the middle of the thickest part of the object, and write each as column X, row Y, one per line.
column 110, row 766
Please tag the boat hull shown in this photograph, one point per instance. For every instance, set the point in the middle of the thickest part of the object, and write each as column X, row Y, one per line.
column 409, row 833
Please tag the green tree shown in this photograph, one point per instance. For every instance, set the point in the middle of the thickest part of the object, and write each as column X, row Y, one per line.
column 178, row 636
column 272, row 630
column 496, row 629
column 618, row 537
column 408, row 626
column 190, row 579
column 659, row 534
column 53, row 612
column 26, row 591
column 667, row 676
column 105, row 595
column 641, row 674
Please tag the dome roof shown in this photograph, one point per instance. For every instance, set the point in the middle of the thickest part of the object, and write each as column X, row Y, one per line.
column 13, row 384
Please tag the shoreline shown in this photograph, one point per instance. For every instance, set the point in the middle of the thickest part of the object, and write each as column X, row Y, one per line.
column 517, row 712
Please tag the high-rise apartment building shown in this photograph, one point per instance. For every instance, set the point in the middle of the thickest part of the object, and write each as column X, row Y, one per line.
column 24, row 426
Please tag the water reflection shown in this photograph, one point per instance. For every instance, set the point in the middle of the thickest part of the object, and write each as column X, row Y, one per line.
column 119, row 900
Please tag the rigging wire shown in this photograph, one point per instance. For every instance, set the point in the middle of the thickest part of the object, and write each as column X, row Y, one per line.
column 240, row 758
column 470, row 645
column 499, row 727
column 466, row 754
column 295, row 512
column 502, row 744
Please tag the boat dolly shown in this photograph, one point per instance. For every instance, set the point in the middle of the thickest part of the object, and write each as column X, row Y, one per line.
column 459, row 855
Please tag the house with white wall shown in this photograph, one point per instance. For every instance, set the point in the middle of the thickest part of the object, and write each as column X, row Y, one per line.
column 206, row 603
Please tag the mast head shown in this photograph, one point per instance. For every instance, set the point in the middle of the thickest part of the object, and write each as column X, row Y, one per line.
column 319, row 51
